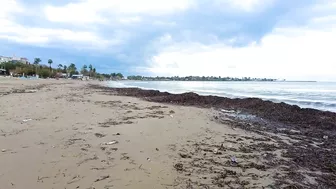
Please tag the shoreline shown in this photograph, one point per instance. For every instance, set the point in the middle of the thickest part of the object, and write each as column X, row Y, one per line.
column 77, row 134
column 278, row 112
column 292, row 97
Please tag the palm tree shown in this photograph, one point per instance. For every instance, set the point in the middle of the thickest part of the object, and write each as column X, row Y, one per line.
column 72, row 69
column 50, row 62
column 94, row 72
column 90, row 69
column 84, row 69
column 36, row 63
column 60, row 66
column 65, row 69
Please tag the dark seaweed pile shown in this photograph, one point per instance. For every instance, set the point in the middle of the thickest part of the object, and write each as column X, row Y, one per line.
column 284, row 113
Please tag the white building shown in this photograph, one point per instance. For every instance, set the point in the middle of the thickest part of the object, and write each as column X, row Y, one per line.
column 5, row 59
column 14, row 58
column 24, row 60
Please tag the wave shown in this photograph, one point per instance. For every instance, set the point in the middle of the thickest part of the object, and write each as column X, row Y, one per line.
column 323, row 99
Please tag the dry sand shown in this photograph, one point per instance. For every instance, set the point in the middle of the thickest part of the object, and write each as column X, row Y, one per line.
column 56, row 134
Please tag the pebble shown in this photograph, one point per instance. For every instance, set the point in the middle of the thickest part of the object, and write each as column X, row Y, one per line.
column 3, row 150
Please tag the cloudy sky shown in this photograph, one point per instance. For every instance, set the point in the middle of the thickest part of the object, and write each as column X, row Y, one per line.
column 292, row 39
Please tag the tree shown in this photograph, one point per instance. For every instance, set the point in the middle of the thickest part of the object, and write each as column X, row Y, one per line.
column 36, row 63
column 50, row 62
column 94, row 72
column 72, row 69
column 84, row 69
column 65, row 69
column 119, row 75
column 90, row 69
column 44, row 73
column 60, row 66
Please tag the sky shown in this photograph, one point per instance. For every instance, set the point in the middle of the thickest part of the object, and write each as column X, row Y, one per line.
column 289, row 39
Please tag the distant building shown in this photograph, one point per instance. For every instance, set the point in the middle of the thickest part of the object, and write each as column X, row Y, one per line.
column 24, row 60
column 2, row 72
column 79, row 76
column 14, row 58
column 5, row 59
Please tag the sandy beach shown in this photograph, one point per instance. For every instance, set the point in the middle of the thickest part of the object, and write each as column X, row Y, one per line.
column 73, row 134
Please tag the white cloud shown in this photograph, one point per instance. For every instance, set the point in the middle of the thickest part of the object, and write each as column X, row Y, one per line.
column 93, row 11
column 291, row 53
column 129, row 20
column 73, row 13
column 324, row 19
column 243, row 5
column 164, row 23
column 43, row 36
column 8, row 7
column 298, row 52
column 48, row 36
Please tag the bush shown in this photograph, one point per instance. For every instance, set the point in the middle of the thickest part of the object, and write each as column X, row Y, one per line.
column 44, row 73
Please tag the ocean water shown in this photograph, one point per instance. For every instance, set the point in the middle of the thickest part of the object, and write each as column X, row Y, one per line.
column 318, row 95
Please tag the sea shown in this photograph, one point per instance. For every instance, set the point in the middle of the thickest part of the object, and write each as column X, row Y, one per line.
column 317, row 95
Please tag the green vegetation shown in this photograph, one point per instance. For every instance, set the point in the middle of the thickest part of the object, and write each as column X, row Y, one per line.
column 19, row 69
column 50, row 62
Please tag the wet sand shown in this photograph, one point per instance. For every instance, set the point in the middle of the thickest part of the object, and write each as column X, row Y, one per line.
column 71, row 134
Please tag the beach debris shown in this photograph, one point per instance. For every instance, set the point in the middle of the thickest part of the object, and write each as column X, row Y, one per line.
column 294, row 131
column 172, row 112
column 178, row 166
column 215, row 151
column 110, row 143
column 233, row 159
column 99, row 135
column 3, row 150
column 221, row 147
column 157, row 149
column 148, row 159
column 84, row 149
column 117, row 133
column 103, row 148
column 325, row 137
column 40, row 179
column 30, row 91
column 184, row 155
column 124, row 156
column 26, row 120
column 171, row 115
column 227, row 111
column 102, row 178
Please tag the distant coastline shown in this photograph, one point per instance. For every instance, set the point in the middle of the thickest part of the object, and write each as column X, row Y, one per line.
column 303, row 81
column 198, row 78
